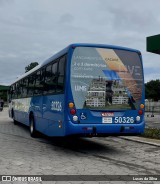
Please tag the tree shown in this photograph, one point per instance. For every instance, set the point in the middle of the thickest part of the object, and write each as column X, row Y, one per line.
column 30, row 66
column 152, row 90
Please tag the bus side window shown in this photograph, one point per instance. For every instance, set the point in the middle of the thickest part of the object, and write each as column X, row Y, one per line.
column 25, row 84
column 13, row 91
column 38, row 84
column 31, row 85
column 48, row 82
column 48, row 74
column 61, row 71
column 54, row 76
column 43, row 80
column 20, row 88
column 18, row 92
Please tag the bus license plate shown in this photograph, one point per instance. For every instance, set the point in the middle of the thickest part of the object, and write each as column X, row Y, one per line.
column 107, row 120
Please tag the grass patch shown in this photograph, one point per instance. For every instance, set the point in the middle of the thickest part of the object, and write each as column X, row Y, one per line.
column 153, row 133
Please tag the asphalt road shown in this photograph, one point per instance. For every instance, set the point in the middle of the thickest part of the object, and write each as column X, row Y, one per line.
column 22, row 155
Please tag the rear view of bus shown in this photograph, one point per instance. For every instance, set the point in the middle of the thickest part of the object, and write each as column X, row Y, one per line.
column 106, row 91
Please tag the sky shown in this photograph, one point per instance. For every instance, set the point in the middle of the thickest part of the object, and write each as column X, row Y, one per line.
column 34, row 30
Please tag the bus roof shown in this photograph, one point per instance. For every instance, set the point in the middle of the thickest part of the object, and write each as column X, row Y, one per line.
column 65, row 50
column 103, row 46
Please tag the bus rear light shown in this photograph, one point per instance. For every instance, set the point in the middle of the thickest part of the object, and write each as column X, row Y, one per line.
column 140, row 112
column 71, row 105
column 75, row 118
column 138, row 118
column 142, row 106
column 73, row 111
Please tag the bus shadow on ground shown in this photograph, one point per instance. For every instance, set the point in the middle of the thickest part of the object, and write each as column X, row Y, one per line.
column 77, row 144
column 81, row 144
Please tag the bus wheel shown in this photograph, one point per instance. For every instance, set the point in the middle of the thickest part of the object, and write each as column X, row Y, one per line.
column 32, row 129
column 14, row 121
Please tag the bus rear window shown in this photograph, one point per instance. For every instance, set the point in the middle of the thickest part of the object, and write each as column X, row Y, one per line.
column 103, row 78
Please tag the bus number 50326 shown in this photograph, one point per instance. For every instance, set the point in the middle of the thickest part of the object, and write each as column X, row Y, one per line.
column 124, row 120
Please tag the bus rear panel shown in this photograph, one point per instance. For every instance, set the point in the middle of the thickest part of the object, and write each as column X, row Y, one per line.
column 106, row 92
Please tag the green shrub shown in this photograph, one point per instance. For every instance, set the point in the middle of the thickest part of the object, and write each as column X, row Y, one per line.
column 152, row 133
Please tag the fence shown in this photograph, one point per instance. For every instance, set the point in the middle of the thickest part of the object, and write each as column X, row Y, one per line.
column 151, row 106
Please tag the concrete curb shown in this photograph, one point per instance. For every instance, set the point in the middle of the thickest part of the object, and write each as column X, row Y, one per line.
column 154, row 142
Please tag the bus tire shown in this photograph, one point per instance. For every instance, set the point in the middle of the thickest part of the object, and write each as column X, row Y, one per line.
column 32, row 128
column 14, row 121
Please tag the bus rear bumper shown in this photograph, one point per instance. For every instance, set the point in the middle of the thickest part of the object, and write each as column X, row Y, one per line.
column 99, row 130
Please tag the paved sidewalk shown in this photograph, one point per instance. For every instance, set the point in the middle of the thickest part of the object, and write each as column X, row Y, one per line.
column 144, row 140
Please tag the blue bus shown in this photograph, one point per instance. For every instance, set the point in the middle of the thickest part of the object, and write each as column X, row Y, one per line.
column 83, row 90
